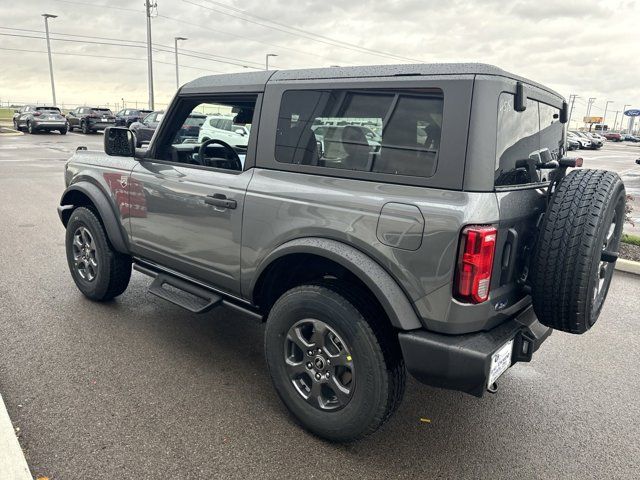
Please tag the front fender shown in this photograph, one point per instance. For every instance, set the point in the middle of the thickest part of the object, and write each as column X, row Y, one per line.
column 103, row 206
column 392, row 298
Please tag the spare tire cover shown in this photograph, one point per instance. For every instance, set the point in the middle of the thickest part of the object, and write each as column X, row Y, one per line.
column 576, row 249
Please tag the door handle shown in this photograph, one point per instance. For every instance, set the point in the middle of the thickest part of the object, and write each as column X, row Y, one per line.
column 220, row 200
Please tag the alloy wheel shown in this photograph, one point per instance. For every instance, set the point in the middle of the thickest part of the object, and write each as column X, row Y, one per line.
column 84, row 254
column 319, row 365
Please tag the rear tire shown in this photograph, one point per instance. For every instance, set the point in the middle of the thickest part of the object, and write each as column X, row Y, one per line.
column 63, row 131
column 570, row 275
column 30, row 128
column 99, row 272
column 85, row 127
column 376, row 371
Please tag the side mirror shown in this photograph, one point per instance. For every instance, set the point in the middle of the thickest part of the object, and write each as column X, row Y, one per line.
column 119, row 141
column 564, row 113
column 520, row 99
column 239, row 131
column 16, row 111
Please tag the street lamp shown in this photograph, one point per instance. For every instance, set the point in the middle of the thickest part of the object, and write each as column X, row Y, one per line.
column 47, row 16
column 177, row 74
column 604, row 117
column 266, row 59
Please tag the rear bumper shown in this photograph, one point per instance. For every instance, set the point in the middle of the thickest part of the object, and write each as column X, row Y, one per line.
column 462, row 362
column 54, row 124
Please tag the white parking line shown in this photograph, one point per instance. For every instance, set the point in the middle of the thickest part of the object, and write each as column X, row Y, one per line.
column 13, row 465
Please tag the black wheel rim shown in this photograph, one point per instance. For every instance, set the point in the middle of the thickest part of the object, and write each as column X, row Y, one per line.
column 319, row 365
column 84, row 254
column 605, row 269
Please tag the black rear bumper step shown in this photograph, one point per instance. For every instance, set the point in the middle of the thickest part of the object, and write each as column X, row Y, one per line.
column 462, row 362
column 184, row 294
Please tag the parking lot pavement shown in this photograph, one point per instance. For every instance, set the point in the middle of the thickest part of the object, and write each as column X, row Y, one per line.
column 138, row 388
column 619, row 157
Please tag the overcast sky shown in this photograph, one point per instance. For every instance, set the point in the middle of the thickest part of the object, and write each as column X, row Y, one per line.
column 587, row 47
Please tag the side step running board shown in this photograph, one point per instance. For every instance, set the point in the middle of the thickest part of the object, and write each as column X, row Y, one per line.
column 187, row 296
column 183, row 294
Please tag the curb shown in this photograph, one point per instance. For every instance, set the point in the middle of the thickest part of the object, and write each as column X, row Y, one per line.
column 13, row 465
column 628, row 266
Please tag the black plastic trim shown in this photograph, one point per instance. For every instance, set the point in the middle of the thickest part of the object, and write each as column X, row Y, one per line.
column 462, row 362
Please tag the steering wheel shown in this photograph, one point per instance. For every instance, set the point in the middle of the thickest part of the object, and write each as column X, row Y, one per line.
column 234, row 160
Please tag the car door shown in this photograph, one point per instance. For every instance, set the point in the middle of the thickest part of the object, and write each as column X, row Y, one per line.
column 23, row 116
column 193, row 212
column 148, row 127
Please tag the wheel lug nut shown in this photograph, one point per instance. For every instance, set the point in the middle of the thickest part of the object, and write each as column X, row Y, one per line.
column 318, row 376
column 309, row 365
column 326, row 375
column 310, row 353
column 328, row 362
column 319, row 350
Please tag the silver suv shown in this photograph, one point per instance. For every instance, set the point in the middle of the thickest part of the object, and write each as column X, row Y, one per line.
column 449, row 246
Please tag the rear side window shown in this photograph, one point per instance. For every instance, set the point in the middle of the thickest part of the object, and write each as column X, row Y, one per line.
column 524, row 140
column 363, row 130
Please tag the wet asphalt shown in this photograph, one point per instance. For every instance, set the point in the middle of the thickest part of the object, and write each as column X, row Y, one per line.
column 138, row 388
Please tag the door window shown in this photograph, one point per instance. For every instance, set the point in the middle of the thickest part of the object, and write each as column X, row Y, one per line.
column 188, row 143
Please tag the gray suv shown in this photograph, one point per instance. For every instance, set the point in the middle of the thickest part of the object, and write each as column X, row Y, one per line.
column 449, row 248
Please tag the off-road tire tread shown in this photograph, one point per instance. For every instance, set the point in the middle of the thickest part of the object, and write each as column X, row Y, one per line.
column 565, row 248
column 388, row 350
column 118, row 265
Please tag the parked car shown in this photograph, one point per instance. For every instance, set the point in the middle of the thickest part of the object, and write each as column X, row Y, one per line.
column 572, row 143
column 593, row 143
column 597, row 140
column 220, row 127
column 188, row 133
column 429, row 255
column 39, row 118
column 145, row 128
column 614, row 137
column 583, row 142
column 126, row 116
column 90, row 119
column 627, row 137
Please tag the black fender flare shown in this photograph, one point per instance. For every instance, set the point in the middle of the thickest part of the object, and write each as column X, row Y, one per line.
column 103, row 206
column 393, row 299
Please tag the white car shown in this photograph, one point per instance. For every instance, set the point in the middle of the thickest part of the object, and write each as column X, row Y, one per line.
column 583, row 141
column 218, row 127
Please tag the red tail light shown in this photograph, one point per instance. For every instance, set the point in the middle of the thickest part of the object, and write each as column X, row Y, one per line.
column 475, row 263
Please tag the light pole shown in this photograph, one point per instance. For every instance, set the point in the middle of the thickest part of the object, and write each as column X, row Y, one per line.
column 604, row 117
column 148, row 7
column 572, row 99
column 47, row 16
column 266, row 59
column 177, row 73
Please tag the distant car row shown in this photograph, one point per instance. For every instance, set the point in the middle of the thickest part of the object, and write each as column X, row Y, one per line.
column 35, row 118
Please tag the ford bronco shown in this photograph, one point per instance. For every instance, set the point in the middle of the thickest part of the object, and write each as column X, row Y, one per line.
column 450, row 247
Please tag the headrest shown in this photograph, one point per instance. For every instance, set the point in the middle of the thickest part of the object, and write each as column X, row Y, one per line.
column 244, row 116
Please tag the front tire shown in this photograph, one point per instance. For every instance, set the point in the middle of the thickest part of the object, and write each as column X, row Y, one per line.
column 63, row 131
column 334, row 361
column 85, row 128
column 99, row 272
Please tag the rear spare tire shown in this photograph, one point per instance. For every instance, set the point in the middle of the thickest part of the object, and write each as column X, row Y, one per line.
column 576, row 250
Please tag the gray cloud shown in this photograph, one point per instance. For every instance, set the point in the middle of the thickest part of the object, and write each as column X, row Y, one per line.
column 575, row 46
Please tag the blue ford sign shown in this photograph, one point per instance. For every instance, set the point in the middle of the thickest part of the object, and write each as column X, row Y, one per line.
column 634, row 112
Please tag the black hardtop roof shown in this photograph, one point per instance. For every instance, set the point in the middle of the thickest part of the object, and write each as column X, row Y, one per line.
column 255, row 81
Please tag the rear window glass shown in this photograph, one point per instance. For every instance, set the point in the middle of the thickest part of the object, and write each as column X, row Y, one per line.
column 525, row 139
column 372, row 131
column 101, row 111
column 48, row 109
